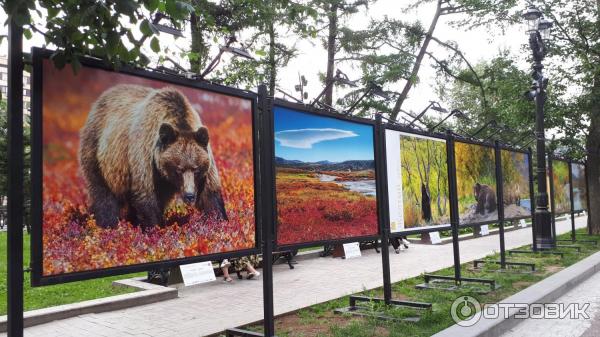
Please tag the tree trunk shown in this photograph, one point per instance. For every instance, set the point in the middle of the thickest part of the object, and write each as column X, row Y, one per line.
column 593, row 160
column 272, row 61
column 419, row 59
column 198, row 46
column 593, row 151
column 331, row 50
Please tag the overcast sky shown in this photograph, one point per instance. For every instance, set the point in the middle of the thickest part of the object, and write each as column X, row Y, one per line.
column 476, row 45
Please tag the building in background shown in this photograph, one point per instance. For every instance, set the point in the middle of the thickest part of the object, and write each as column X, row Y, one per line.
column 4, row 84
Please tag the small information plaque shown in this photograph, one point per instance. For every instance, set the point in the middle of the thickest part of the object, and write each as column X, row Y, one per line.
column 352, row 250
column 197, row 273
column 485, row 230
column 522, row 223
column 435, row 238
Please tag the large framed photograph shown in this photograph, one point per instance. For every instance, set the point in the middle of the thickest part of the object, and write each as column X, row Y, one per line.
column 476, row 183
column 135, row 169
column 417, row 174
column 579, row 187
column 325, row 177
column 561, row 186
column 516, row 189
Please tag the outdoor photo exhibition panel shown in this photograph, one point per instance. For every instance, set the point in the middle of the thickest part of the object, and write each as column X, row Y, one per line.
column 560, row 187
column 325, row 177
column 475, row 166
column 417, row 179
column 516, row 184
column 135, row 170
column 579, row 187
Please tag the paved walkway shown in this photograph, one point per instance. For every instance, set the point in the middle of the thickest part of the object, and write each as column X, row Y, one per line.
column 586, row 292
column 211, row 308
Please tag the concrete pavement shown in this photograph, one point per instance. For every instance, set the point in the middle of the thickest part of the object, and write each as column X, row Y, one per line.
column 211, row 308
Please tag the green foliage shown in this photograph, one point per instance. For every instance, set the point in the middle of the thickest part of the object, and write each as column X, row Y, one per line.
column 560, row 179
column 474, row 164
column 424, row 164
column 515, row 175
column 94, row 27
column 4, row 158
column 498, row 96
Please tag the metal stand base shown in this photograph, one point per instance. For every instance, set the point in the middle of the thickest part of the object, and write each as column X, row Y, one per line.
column 441, row 283
column 476, row 264
column 593, row 242
column 538, row 253
column 577, row 248
column 364, row 311
column 242, row 333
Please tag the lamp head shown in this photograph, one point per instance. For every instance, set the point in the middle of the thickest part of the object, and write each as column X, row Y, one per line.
column 532, row 16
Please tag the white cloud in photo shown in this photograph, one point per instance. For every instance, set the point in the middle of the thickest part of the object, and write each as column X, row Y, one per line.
column 306, row 138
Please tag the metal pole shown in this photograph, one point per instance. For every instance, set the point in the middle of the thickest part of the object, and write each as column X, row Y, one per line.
column 544, row 237
column 268, row 221
column 572, row 201
column 382, row 196
column 552, row 204
column 500, row 201
column 454, row 217
column 15, row 179
column 587, row 197
column 532, row 199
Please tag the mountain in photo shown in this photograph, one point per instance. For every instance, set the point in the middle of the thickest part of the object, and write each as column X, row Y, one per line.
column 325, row 165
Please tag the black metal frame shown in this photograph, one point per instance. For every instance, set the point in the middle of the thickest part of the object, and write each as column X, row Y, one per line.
column 413, row 132
column 37, row 277
column 573, row 211
column 322, row 113
column 500, row 200
column 384, row 227
column 15, row 198
column 454, row 221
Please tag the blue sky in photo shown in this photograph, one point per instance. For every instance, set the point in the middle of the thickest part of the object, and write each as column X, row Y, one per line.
column 313, row 138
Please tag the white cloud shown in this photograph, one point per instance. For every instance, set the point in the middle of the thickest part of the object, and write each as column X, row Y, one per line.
column 306, row 138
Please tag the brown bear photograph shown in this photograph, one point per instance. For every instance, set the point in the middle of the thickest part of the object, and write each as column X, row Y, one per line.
column 476, row 183
column 137, row 170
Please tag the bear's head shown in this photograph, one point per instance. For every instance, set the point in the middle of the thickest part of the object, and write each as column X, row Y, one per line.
column 182, row 158
column 476, row 190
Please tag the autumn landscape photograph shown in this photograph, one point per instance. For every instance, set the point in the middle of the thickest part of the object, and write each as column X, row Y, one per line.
column 325, row 180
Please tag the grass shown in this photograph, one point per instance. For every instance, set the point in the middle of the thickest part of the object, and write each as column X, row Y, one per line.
column 43, row 297
column 320, row 321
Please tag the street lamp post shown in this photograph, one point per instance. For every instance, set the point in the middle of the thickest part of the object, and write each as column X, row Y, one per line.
column 539, row 32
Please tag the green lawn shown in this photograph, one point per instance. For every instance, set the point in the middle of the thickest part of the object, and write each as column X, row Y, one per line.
column 320, row 321
column 42, row 297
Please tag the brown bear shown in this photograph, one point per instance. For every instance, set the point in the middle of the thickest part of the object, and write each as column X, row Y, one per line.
column 485, row 197
column 140, row 149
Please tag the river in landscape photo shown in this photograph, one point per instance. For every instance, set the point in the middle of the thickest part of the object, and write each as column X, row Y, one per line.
column 365, row 187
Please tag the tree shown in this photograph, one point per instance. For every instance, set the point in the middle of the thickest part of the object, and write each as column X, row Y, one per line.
column 94, row 27
column 574, row 63
column 335, row 12
column 276, row 25
column 4, row 161
column 496, row 94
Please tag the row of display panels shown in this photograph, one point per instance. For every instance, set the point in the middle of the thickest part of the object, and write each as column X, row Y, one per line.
column 135, row 170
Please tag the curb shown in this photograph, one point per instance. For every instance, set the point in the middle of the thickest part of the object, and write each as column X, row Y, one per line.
column 544, row 291
column 147, row 293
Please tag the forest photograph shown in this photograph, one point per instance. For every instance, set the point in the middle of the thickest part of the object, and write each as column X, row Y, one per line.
column 476, row 183
column 579, row 187
column 515, row 175
column 561, row 187
column 325, row 179
column 417, row 181
column 104, row 133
